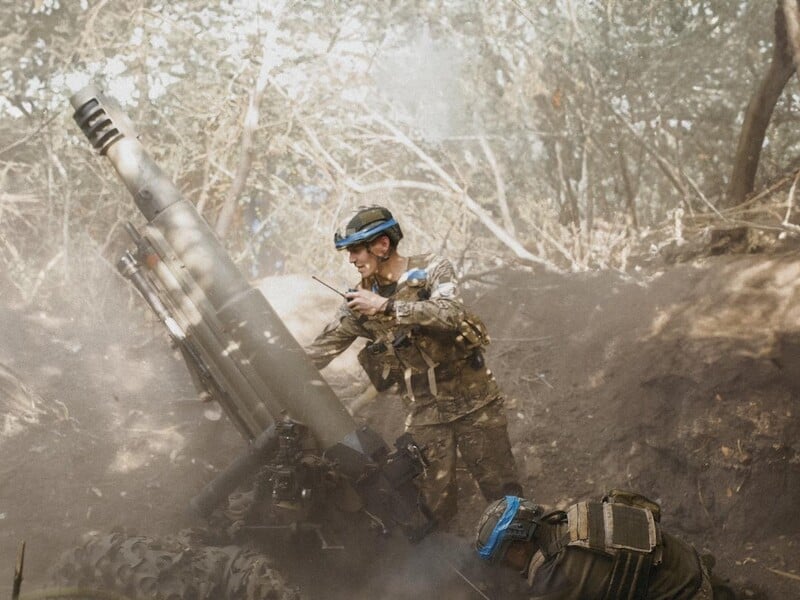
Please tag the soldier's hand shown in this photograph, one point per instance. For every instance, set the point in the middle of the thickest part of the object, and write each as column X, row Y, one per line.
column 366, row 302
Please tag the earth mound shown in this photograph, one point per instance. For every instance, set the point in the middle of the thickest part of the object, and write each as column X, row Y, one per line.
column 680, row 384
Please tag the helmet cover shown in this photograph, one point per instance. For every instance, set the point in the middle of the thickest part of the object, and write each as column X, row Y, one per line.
column 367, row 224
column 504, row 521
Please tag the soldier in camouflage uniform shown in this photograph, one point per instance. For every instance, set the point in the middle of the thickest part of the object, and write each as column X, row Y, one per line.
column 422, row 338
column 603, row 550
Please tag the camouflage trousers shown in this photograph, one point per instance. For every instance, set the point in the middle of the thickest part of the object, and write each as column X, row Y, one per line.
column 706, row 591
column 481, row 438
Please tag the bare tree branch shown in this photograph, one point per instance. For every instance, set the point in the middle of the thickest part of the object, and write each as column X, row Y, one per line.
column 88, row 30
column 630, row 193
column 791, row 12
column 500, row 185
column 476, row 209
column 790, row 199
column 762, row 104
column 666, row 167
column 569, row 202
column 33, row 133
column 250, row 127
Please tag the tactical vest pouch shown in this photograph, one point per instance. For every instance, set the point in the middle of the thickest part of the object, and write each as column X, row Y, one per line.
column 629, row 534
column 377, row 369
column 472, row 333
column 607, row 528
column 617, row 496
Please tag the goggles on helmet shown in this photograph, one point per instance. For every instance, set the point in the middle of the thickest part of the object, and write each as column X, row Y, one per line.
column 351, row 238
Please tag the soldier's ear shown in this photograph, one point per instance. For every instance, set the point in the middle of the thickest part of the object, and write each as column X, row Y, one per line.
column 381, row 244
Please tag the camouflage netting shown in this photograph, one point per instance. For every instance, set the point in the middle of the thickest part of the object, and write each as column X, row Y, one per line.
column 171, row 568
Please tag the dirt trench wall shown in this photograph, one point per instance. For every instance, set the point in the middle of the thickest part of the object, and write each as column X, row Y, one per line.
column 683, row 386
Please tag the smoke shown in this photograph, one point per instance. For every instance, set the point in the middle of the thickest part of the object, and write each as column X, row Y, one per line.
column 422, row 76
column 441, row 565
column 20, row 407
column 440, row 562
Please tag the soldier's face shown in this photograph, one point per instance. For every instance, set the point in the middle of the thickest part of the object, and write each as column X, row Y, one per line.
column 363, row 260
column 517, row 555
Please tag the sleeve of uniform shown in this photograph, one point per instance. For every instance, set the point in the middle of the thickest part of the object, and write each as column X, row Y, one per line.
column 444, row 309
column 335, row 338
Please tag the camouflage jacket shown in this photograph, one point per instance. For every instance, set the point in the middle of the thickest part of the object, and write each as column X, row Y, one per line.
column 430, row 346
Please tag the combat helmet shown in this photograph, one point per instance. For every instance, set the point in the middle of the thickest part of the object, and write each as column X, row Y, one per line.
column 367, row 224
column 510, row 519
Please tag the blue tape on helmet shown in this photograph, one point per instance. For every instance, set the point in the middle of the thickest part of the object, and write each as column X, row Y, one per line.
column 496, row 538
column 363, row 235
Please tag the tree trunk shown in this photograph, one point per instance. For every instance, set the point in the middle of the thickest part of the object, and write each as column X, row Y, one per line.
column 500, row 185
column 569, row 211
column 762, row 104
column 228, row 209
column 250, row 126
column 630, row 194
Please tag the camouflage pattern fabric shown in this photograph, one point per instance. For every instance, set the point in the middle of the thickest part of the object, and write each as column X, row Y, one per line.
column 482, row 439
column 706, row 591
column 431, row 336
column 171, row 568
column 426, row 316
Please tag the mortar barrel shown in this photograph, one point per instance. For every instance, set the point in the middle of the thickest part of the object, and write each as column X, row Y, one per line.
column 240, row 313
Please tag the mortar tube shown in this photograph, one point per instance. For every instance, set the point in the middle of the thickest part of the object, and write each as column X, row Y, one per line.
column 247, row 317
